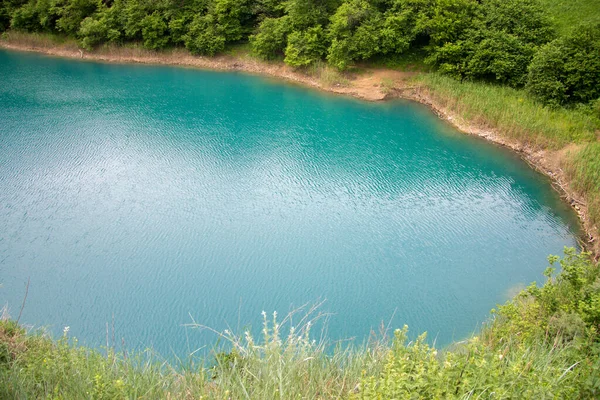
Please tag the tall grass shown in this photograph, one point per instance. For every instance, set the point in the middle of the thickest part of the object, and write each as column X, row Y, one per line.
column 511, row 112
column 326, row 75
column 542, row 344
column 584, row 170
column 40, row 40
column 274, row 366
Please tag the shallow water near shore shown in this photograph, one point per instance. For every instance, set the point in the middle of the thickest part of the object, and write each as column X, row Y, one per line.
column 140, row 196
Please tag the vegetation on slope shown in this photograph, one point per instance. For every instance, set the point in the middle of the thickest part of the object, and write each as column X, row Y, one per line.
column 543, row 344
column 490, row 40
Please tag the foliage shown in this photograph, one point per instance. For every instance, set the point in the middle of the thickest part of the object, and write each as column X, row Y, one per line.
column 511, row 111
column 584, row 171
column 204, row 36
column 567, row 70
column 497, row 41
column 305, row 47
column 543, row 344
column 270, row 40
column 355, row 33
column 154, row 31
column 499, row 45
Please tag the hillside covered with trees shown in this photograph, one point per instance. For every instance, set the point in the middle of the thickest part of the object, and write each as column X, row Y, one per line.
column 510, row 42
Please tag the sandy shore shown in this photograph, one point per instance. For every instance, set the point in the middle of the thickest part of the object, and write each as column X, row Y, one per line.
column 370, row 85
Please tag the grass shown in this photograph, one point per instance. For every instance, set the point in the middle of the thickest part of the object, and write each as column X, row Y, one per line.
column 42, row 40
column 542, row 344
column 584, row 169
column 292, row 366
column 568, row 14
column 511, row 112
column 326, row 75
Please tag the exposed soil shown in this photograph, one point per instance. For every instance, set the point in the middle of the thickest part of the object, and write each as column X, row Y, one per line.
column 370, row 84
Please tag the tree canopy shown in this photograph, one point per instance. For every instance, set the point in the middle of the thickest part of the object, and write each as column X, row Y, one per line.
column 510, row 42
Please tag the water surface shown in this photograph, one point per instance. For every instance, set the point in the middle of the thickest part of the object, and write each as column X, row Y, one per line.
column 146, row 195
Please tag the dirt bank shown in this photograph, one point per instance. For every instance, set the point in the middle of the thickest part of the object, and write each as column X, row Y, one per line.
column 370, row 84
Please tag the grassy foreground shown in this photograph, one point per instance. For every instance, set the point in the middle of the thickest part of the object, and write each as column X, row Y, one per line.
column 543, row 344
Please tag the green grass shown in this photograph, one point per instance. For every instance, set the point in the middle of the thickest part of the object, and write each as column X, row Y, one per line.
column 567, row 14
column 543, row 344
column 511, row 112
column 584, row 169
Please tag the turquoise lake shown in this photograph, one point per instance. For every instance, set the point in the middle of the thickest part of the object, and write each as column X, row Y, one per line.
column 140, row 197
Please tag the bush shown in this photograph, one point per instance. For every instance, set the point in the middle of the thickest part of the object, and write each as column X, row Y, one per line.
column 306, row 47
column 204, row 36
column 567, row 70
column 233, row 17
column 27, row 17
column 154, row 31
column 355, row 33
column 73, row 13
column 271, row 39
column 497, row 47
column 499, row 57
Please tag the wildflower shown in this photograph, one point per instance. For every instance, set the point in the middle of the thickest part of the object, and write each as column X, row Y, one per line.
column 66, row 330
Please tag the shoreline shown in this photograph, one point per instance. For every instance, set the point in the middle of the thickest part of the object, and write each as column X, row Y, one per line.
column 370, row 85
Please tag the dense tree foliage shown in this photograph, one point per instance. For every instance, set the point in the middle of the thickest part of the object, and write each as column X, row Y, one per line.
column 567, row 70
column 509, row 42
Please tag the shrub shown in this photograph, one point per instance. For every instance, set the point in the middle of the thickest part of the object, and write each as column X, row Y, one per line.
column 204, row 36
column 497, row 47
column 567, row 70
column 270, row 40
column 306, row 47
column 154, row 31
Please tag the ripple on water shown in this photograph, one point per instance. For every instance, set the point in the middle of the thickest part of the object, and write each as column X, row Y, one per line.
column 149, row 194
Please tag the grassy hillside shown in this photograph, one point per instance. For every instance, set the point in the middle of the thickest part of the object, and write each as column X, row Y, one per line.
column 568, row 14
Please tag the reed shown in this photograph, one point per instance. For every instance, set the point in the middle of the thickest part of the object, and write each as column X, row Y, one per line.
column 542, row 344
column 510, row 112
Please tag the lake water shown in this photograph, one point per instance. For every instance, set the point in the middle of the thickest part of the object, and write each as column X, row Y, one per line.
column 142, row 197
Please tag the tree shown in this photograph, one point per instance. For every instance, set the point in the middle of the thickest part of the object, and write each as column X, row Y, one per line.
column 204, row 36
column 270, row 40
column 305, row 47
column 498, row 45
column 354, row 32
column 154, row 31
column 567, row 70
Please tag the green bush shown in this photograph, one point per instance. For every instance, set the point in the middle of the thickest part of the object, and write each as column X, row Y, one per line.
column 355, row 33
column 204, row 36
column 270, row 40
column 567, row 70
column 306, row 47
column 154, row 31
column 233, row 18
column 25, row 18
column 498, row 46
column 102, row 27
column 72, row 13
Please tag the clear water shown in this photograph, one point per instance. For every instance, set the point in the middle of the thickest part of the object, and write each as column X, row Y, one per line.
column 146, row 195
